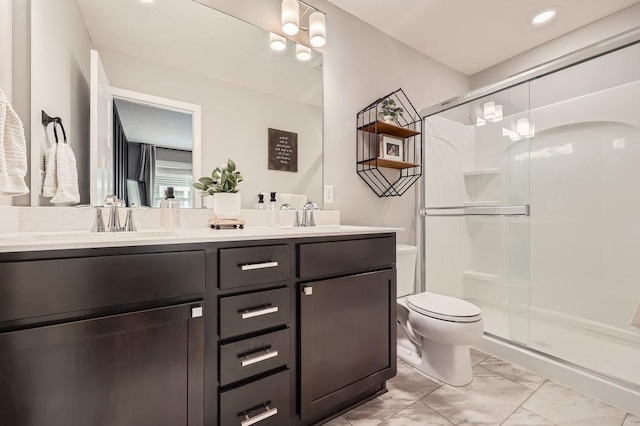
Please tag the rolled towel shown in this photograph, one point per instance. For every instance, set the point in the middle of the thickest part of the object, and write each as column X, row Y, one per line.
column 50, row 185
column 13, row 151
column 67, row 174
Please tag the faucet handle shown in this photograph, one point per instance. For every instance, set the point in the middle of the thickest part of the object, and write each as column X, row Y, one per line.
column 312, row 221
column 98, row 222
column 296, row 223
column 129, row 225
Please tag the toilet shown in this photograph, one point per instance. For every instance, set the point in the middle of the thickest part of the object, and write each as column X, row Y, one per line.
column 434, row 331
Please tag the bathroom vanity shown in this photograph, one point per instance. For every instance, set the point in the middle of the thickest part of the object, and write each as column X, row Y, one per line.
column 210, row 329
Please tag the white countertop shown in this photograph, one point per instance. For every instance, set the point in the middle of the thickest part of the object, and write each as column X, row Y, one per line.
column 41, row 241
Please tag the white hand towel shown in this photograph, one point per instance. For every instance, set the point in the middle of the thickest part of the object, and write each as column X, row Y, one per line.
column 13, row 151
column 67, row 174
column 50, row 185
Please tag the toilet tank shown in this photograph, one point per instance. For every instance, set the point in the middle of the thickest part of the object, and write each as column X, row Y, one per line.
column 406, row 266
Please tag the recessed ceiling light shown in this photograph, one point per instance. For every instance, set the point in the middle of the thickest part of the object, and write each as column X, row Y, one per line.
column 146, row 1
column 543, row 17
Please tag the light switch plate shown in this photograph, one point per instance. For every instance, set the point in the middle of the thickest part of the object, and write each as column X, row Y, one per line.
column 328, row 194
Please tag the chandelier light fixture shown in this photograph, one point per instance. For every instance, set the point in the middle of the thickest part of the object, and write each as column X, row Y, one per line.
column 290, row 17
column 317, row 29
column 297, row 15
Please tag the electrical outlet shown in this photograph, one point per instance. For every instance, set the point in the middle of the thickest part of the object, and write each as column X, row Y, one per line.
column 328, row 194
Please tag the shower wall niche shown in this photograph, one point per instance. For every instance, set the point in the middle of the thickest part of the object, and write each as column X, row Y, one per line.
column 532, row 200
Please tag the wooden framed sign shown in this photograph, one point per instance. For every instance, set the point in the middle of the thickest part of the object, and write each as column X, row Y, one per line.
column 283, row 150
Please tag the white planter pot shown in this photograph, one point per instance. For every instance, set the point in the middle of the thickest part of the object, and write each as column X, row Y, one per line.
column 227, row 205
column 207, row 201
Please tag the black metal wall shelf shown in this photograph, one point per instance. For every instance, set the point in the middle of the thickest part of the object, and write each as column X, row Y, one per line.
column 389, row 150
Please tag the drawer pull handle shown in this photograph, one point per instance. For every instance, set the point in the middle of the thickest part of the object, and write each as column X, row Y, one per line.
column 260, row 417
column 263, row 265
column 259, row 312
column 268, row 354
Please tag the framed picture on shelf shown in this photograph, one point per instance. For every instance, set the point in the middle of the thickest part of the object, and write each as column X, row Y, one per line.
column 391, row 148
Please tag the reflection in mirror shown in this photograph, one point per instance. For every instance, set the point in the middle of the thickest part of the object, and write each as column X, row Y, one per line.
column 154, row 138
column 188, row 53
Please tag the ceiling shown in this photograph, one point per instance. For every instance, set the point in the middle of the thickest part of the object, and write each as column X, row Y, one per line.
column 471, row 35
column 156, row 126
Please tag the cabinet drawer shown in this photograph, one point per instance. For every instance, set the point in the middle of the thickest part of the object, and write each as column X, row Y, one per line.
column 249, row 357
column 44, row 287
column 266, row 399
column 337, row 257
column 253, row 265
column 251, row 312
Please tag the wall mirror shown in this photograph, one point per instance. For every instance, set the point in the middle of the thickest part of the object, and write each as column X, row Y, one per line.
column 176, row 82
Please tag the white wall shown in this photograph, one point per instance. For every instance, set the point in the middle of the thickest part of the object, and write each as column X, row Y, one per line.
column 60, row 86
column 361, row 64
column 235, row 120
column 606, row 27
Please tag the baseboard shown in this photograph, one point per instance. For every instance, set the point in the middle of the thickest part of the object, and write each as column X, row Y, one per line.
column 589, row 383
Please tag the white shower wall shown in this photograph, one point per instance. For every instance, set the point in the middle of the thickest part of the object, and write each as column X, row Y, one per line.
column 564, row 280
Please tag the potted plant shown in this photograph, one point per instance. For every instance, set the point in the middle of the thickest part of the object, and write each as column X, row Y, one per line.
column 220, row 191
column 390, row 111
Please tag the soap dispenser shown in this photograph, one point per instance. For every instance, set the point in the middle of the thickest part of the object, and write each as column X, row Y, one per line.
column 273, row 214
column 261, row 205
column 169, row 210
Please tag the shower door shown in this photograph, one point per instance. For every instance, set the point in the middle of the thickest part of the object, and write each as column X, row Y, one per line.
column 585, row 205
column 476, row 206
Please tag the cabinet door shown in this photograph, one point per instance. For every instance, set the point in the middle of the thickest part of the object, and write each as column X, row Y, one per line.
column 142, row 368
column 347, row 339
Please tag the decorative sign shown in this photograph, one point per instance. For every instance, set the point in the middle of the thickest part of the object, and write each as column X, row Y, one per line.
column 283, row 150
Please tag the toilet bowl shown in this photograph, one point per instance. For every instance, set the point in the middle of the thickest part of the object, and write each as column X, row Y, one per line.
column 434, row 331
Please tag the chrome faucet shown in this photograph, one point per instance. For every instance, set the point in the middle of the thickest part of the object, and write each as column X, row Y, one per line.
column 98, row 223
column 113, row 203
column 307, row 213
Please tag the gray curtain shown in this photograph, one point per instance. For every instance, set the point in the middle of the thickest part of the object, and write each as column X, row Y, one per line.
column 147, row 169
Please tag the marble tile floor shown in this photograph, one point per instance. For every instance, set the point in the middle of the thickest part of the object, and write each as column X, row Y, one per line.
column 500, row 394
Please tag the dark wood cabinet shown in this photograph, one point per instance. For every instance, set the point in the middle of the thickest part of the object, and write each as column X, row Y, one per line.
column 346, row 339
column 294, row 331
column 141, row 368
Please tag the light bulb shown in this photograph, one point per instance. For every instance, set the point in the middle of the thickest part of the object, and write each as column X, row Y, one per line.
column 277, row 42
column 317, row 29
column 290, row 17
column 303, row 53
column 543, row 17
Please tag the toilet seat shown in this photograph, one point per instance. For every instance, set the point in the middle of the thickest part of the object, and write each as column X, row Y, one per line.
column 444, row 308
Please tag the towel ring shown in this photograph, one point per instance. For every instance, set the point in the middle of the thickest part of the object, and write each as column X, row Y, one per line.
column 46, row 120
column 58, row 121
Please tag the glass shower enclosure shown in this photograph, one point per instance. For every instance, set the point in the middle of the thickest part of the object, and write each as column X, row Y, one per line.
column 531, row 210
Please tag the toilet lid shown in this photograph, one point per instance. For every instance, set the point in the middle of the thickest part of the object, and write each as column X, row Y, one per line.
column 444, row 307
